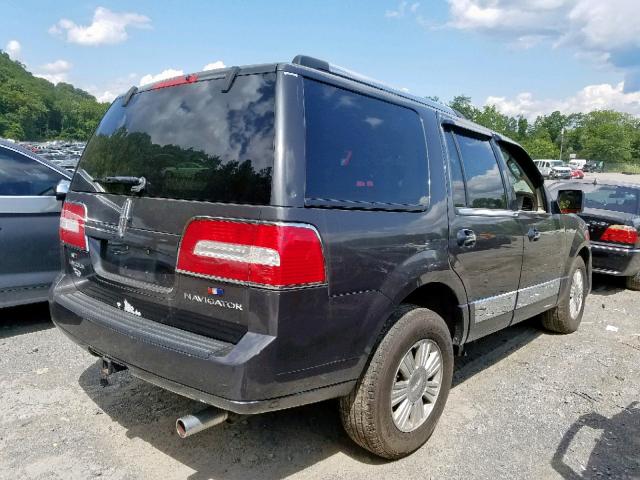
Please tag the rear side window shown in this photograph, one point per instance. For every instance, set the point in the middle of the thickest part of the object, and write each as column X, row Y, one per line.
column 483, row 179
column 190, row 142
column 360, row 149
column 23, row 176
column 618, row 199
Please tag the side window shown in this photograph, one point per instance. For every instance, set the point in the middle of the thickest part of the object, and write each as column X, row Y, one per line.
column 23, row 176
column 484, row 182
column 457, row 179
column 362, row 150
column 522, row 186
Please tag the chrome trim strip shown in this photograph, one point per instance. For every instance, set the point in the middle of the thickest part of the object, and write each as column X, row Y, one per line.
column 605, row 271
column 486, row 212
column 251, row 284
column 598, row 246
column 125, row 213
column 490, row 307
column 536, row 293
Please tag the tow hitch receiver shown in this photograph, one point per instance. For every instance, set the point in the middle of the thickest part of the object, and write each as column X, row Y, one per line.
column 107, row 368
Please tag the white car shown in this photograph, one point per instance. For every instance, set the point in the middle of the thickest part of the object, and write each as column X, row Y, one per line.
column 553, row 168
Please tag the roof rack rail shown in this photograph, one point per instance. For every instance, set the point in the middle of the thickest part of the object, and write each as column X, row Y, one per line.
column 323, row 65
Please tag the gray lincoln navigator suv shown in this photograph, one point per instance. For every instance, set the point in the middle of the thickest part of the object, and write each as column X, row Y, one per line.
column 263, row 237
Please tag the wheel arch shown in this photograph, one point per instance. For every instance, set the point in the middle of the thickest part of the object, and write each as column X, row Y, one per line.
column 443, row 292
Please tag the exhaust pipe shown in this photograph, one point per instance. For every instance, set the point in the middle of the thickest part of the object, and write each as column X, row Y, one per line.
column 196, row 422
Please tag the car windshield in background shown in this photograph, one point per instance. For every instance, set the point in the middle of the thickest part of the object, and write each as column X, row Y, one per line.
column 610, row 197
column 190, row 142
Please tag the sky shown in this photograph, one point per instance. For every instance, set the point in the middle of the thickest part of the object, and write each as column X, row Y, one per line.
column 526, row 57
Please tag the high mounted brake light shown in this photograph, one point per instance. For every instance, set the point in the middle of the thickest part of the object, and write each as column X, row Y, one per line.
column 620, row 234
column 263, row 254
column 72, row 220
column 172, row 82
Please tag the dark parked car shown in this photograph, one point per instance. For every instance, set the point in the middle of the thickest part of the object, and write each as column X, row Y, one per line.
column 343, row 241
column 612, row 212
column 29, row 220
column 593, row 167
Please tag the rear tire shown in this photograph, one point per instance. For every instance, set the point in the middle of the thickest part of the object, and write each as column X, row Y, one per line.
column 633, row 283
column 396, row 404
column 567, row 315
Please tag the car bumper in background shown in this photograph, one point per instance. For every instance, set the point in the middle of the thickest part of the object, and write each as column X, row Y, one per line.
column 615, row 260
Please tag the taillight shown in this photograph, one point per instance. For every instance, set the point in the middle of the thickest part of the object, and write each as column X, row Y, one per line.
column 72, row 220
column 263, row 254
column 620, row 234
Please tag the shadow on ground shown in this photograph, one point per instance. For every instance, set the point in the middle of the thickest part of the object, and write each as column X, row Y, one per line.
column 24, row 319
column 605, row 285
column 281, row 443
column 617, row 450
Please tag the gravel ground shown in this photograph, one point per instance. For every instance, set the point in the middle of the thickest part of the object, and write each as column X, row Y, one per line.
column 525, row 404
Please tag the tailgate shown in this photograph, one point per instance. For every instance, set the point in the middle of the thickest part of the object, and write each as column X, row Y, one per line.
column 131, row 266
column 193, row 146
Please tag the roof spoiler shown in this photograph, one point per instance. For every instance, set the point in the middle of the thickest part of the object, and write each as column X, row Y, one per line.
column 324, row 66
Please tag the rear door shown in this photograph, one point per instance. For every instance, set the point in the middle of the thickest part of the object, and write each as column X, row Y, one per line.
column 485, row 239
column 175, row 151
column 29, row 217
column 545, row 249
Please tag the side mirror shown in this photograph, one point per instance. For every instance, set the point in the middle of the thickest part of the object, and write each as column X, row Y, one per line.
column 62, row 188
column 570, row 201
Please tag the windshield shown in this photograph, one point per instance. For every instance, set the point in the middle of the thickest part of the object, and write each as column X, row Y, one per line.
column 557, row 163
column 190, row 142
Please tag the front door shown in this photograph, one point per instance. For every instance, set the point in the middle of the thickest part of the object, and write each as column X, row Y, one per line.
column 544, row 239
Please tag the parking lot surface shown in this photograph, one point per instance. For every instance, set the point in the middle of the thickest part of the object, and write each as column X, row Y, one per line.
column 525, row 404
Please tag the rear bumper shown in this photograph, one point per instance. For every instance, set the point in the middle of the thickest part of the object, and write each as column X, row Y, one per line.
column 235, row 377
column 614, row 260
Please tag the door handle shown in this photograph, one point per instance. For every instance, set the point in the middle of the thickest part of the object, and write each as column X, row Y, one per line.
column 466, row 237
column 533, row 234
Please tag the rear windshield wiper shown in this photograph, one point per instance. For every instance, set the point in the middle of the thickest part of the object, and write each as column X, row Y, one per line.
column 138, row 184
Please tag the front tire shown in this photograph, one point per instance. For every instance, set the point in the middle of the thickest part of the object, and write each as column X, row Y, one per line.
column 396, row 404
column 567, row 315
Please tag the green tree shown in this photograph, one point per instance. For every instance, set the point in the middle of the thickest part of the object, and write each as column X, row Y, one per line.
column 541, row 146
column 32, row 108
column 608, row 136
column 463, row 105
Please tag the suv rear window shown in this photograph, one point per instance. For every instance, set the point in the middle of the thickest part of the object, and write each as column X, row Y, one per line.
column 190, row 142
column 362, row 150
